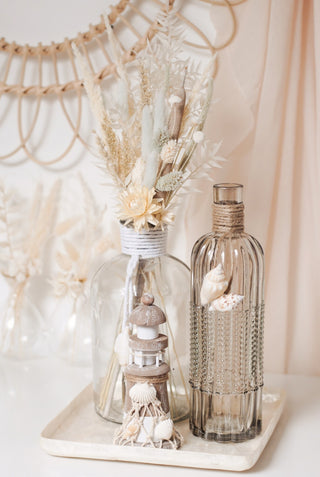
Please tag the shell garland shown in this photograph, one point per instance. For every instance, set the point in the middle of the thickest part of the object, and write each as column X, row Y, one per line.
column 146, row 424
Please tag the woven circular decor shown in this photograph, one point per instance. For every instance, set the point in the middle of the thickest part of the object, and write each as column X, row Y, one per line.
column 130, row 21
column 94, row 33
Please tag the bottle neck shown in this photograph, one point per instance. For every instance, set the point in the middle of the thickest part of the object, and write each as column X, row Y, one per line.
column 228, row 218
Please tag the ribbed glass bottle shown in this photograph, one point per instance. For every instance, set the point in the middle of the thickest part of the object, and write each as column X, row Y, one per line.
column 226, row 356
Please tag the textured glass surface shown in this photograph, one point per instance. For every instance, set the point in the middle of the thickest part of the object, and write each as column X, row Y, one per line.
column 226, row 361
column 168, row 280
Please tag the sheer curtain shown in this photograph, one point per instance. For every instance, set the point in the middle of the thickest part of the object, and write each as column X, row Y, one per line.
column 268, row 117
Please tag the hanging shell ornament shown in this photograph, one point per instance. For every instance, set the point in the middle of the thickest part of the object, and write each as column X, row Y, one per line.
column 227, row 302
column 143, row 393
column 121, row 347
column 214, row 285
column 163, row 430
column 132, row 430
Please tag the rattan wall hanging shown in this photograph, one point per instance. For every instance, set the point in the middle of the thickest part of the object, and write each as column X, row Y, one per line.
column 122, row 16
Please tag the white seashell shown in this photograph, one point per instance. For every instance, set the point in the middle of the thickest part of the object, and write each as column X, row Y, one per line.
column 214, row 285
column 227, row 302
column 143, row 393
column 163, row 430
column 121, row 347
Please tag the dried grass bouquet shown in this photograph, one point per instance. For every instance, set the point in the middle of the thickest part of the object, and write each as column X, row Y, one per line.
column 149, row 129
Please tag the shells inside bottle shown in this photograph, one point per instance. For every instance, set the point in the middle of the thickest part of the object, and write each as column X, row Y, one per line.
column 226, row 356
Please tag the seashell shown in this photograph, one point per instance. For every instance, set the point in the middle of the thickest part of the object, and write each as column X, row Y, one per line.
column 214, row 285
column 163, row 430
column 143, row 393
column 227, row 302
column 121, row 347
column 131, row 430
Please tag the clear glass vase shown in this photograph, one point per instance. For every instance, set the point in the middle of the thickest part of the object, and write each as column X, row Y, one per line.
column 167, row 279
column 70, row 336
column 22, row 332
column 226, row 362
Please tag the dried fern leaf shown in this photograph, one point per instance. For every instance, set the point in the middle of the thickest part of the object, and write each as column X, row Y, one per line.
column 35, row 207
column 63, row 261
column 44, row 222
column 66, row 225
column 71, row 250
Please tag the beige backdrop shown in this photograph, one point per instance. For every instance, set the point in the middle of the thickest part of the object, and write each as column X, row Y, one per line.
column 269, row 119
column 268, row 88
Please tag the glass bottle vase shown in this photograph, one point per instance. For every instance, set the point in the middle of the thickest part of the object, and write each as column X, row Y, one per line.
column 22, row 330
column 70, row 334
column 167, row 279
column 227, row 312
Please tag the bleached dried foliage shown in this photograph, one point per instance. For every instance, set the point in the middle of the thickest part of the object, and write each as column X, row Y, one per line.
column 148, row 133
column 25, row 227
column 80, row 239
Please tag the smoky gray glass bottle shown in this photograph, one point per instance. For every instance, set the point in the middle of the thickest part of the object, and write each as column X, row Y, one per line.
column 226, row 355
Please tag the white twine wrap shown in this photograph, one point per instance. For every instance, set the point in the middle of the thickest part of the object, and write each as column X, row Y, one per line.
column 146, row 244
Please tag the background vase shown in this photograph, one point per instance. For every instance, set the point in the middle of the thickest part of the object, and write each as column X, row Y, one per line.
column 70, row 337
column 167, row 279
column 22, row 332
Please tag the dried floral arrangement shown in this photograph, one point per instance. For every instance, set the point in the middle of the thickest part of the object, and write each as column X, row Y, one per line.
column 149, row 129
column 25, row 227
column 79, row 240
column 25, row 233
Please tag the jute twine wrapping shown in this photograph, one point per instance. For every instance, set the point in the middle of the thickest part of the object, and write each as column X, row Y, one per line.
column 150, row 379
column 228, row 218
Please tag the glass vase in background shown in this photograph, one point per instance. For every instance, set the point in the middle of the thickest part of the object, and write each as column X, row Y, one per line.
column 22, row 333
column 227, row 312
column 167, row 279
column 70, row 337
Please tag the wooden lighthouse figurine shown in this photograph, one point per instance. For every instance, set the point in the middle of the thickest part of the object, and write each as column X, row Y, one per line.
column 147, row 419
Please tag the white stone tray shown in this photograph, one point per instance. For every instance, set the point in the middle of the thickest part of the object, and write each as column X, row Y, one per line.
column 79, row 432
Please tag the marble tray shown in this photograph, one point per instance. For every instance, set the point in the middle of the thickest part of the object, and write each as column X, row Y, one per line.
column 79, row 432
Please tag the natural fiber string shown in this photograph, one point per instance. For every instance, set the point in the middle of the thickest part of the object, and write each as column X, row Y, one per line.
column 147, row 244
column 228, row 218
column 151, row 379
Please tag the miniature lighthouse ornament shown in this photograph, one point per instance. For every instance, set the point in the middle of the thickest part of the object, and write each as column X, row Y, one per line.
column 147, row 419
